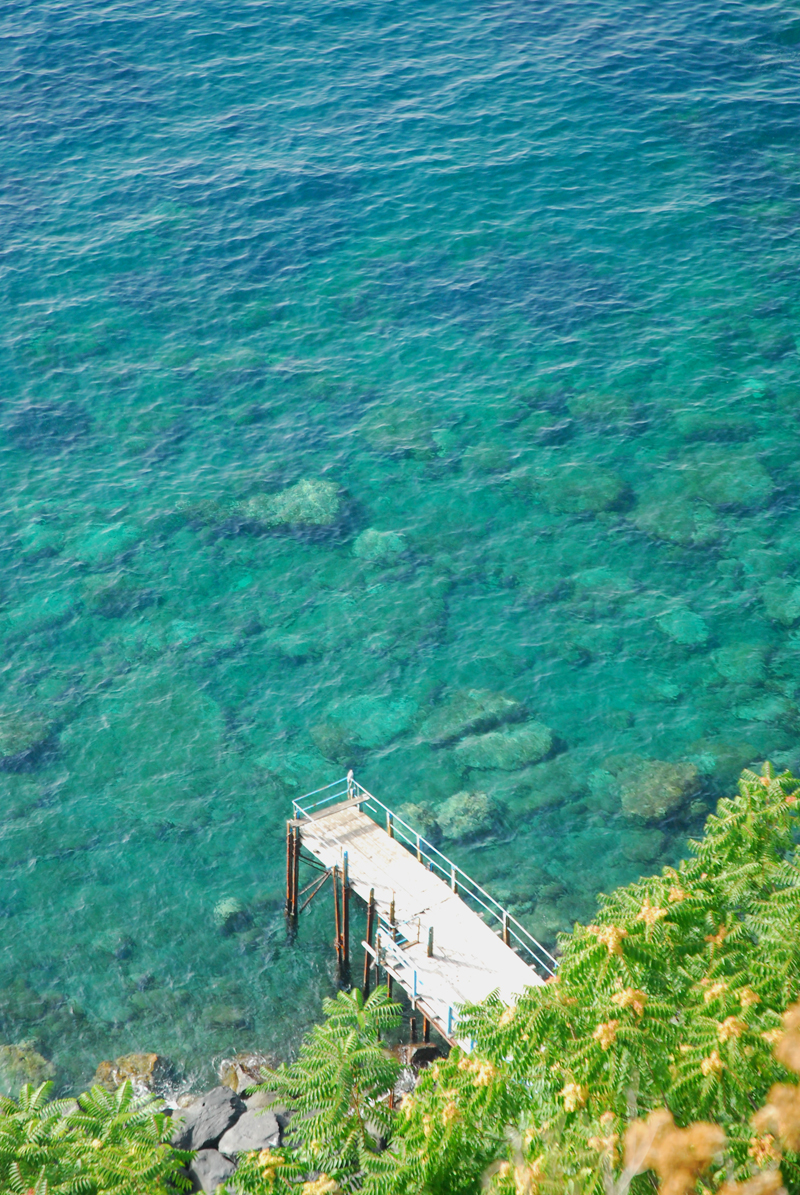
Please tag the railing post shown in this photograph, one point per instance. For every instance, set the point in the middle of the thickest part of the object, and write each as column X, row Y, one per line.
column 350, row 787
column 505, row 928
column 389, row 824
column 430, row 941
column 449, row 1020
column 419, row 851
column 453, row 881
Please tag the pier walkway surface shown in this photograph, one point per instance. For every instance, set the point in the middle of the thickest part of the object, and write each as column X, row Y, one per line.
column 441, row 936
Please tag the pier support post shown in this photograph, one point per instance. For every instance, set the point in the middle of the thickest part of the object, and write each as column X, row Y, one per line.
column 292, row 876
column 345, row 970
column 337, row 921
column 370, row 930
column 426, row 1029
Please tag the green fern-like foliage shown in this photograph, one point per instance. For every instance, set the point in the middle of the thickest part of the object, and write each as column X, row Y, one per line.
column 117, row 1144
column 672, row 998
column 339, row 1087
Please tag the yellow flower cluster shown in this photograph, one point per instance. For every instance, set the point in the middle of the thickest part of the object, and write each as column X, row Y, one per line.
column 323, row 1185
column 483, row 1071
column 606, row 1034
column 650, row 914
column 610, row 936
column 631, row 998
column 712, row 1065
column 731, row 1027
column 269, row 1163
column 574, row 1096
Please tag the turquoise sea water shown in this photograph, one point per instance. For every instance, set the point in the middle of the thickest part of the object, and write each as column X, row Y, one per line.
column 522, row 281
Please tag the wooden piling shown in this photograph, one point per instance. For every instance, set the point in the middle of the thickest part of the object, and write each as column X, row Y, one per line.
column 337, row 920
column 292, row 875
column 289, row 868
column 430, row 942
column 412, row 1023
column 426, row 1029
column 345, row 930
column 370, row 930
column 296, row 871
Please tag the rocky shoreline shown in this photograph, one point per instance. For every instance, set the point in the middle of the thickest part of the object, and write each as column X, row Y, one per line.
column 220, row 1124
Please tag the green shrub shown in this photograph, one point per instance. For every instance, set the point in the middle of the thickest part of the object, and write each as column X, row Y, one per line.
column 338, row 1088
column 673, row 998
column 102, row 1142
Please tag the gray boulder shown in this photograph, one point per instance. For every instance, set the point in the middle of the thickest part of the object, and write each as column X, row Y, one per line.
column 209, row 1169
column 253, row 1130
column 202, row 1124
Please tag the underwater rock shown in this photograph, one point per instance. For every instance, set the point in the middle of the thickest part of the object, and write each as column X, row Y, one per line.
column 722, row 758
column 781, row 600
column 374, row 546
column 486, row 458
column 244, row 1070
column 399, row 430
column 228, row 1016
column 614, row 410
column 470, row 711
column 683, row 626
column 23, row 737
column 729, row 479
column 45, row 426
column 422, row 819
column 505, row 749
column 40, row 540
column 20, row 1064
column 370, row 721
column 546, row 427
column 693, row 425
column 231, row 916
column 741, row 663
column 581, row 489
column 604, row 790
column 117, row 945
column 652, row 788
column 551, row 782
column 47, row 609
column 335, row 743
column 772, row 708
column 643, row 846
column 146, row 1072
column 469, row 815
column 116, row 597
column 309, row 503
column 103, row 542
column 677, row 520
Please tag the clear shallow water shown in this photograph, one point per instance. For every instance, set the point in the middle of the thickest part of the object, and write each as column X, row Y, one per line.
column 524, row 283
